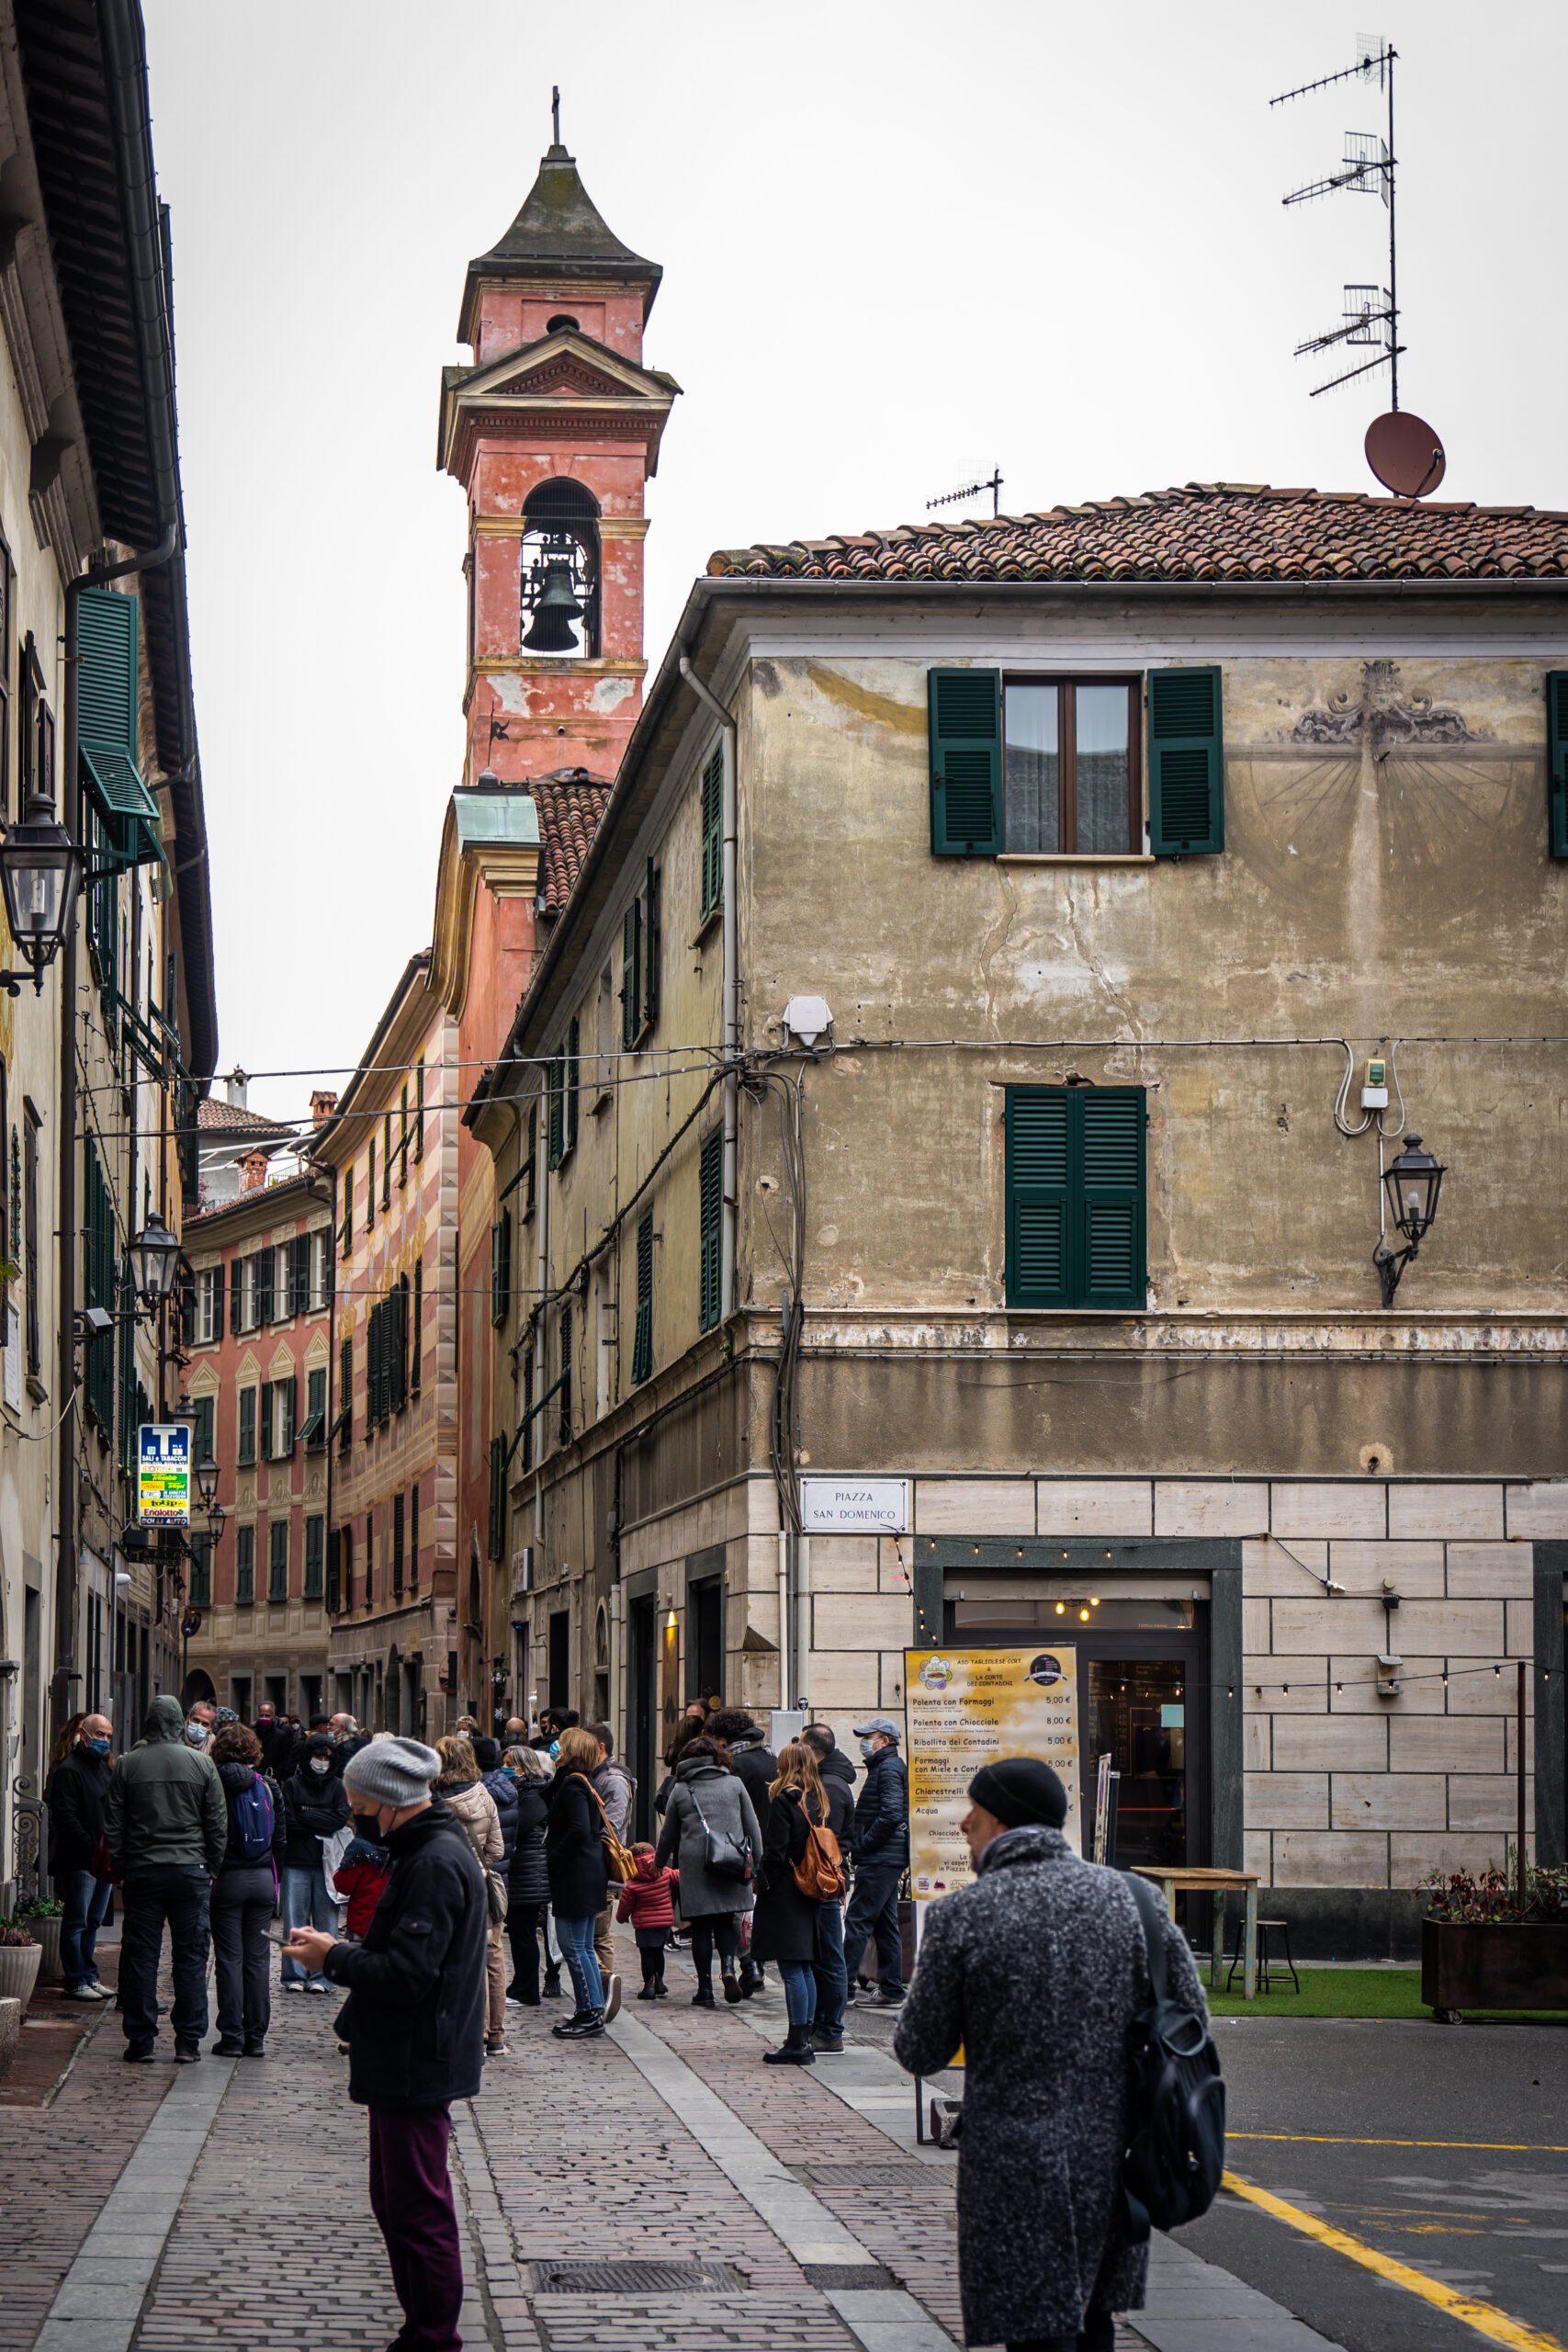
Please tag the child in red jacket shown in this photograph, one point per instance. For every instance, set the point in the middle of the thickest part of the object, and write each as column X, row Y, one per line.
column 362, row 1876
column 646, row 1900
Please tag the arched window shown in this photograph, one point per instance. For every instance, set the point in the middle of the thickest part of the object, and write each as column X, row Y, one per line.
column 560, row 570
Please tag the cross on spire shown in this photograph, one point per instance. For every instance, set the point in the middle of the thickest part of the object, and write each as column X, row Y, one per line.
column 555, row 116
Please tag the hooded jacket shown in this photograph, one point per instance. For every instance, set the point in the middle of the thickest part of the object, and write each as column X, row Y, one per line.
column 617, row 1790
column 76, row 1789
column 503, row 1790
column 415, row 2020
column 164, row 1808
column 648, row 1900
column 707, row 1797
column 756, row 1768
column 838, row 1787
column 472, row 1805
column 315, row 1805
column 527, row 1880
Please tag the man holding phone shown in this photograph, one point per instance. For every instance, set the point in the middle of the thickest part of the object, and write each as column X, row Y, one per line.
column 415, row 2020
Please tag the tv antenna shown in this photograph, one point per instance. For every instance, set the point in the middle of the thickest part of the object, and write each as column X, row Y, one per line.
column 1404, row 453
column 973, row 490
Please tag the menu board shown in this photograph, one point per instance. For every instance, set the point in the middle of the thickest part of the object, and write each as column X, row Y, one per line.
column 967, row 1707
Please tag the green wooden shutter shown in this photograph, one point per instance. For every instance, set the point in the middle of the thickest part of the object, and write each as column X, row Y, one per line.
column 348, row 1211
column 418, row 1108
column 1557, row 758
column 1039, row 1196
column 650, row 946
column 290, row 1399
column 247, row 1434
column 631, row 975
column 218, row 1296
column 266, row 1422
column 497, row 1497
column 315, row 1546
column 966, row 743
column 566, row 1375
column 1187, row 762
column 1110, row 1271
column 558, row 1090
column 573, row 1059
column 642, row 1349
column 106, row 676
column 710, row 1190
column 416, row 1346
column 713, row 833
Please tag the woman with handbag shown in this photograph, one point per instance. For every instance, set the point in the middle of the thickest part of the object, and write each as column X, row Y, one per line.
column 710, row 1833
column 463, row 1793
column 580, row 1881
column 800, row 1871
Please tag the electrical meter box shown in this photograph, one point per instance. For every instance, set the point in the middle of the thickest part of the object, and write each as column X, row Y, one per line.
column 1375, row 1093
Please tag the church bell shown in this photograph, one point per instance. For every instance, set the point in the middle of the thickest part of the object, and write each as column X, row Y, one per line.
column 555, row 610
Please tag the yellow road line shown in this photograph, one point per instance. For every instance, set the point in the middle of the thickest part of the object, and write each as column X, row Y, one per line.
column 1485, row 2318
column 1325, row 2139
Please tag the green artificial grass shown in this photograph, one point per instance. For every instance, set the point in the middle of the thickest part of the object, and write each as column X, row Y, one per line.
column 1351, row 1993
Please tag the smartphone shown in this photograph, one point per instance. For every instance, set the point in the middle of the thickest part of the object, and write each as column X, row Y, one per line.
column 276, row 1935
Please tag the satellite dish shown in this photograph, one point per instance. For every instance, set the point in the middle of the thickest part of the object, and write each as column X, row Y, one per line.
column 1405, row 454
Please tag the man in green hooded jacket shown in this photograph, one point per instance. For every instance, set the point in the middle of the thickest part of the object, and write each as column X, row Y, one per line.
column 165, row 1828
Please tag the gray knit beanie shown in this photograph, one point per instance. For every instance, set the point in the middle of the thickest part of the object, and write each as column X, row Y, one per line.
column 392, row 1771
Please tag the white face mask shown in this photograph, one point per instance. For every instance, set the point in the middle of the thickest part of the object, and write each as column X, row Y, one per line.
column 196, row 1733
column 320, row 1763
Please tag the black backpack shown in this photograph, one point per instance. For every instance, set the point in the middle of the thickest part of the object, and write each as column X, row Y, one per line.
column 1171, row 2171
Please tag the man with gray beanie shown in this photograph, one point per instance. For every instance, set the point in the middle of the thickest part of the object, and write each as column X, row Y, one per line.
column 414, row 2022
column 1039, row 1969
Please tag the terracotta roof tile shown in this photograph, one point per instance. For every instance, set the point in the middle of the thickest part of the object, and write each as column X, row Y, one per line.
column 1201, row 531
column 570, row 804
column 225, row 1118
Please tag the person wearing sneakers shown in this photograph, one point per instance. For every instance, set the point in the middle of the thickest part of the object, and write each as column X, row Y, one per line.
column 75, row 1793
column 414, row 2021
column 165, row 1833
column 882, row 1855
column 580, row 1881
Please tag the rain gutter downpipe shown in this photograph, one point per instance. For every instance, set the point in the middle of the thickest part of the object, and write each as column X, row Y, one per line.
column 730, row 1000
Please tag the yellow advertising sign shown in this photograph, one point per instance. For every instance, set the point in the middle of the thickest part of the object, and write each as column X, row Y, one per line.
column 967, row 1707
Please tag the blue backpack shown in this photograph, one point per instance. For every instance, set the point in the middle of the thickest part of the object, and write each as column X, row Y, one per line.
column 256, row 1820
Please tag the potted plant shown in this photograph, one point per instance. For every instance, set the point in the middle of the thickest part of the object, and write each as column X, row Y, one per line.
column 1498, row 1940
column 44, row 1921
column 19, row 1957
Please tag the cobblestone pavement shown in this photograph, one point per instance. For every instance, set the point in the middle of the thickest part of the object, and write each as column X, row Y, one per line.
column 822, row 2226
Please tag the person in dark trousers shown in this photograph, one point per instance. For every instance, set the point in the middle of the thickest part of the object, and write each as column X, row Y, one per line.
column 709, row 1798
column 580, row 1879
column 76, row 1793
column 314, row 1806
column 165, row 1834
column 414, row 2024
column 1038, row 1968
column 785, row 1927
column 882, row 1855
column 756, row 1767
column 527, row 1879
column 244, row 1892
column 838, row 1775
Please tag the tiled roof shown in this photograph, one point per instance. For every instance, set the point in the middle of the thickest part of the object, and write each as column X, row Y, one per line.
column 227, row 1118
column 570, row 804
column 1216, row 531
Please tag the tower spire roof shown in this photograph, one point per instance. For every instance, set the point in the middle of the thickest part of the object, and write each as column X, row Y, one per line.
column 559, row 232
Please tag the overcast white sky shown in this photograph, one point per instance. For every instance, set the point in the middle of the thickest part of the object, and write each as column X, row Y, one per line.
column 900, row 242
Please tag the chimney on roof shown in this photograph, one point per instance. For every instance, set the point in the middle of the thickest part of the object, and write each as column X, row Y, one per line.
column 253, row 1171
column 238, row 1086
column 324, row 1106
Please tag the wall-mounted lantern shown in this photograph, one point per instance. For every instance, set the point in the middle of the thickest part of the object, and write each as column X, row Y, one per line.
column 40, row 875
column 154, row 1258
column 1411, row 1182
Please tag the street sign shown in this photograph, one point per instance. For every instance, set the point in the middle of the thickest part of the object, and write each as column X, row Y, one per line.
column 854, row 1506
column 163, row 1484
column 967, row 1707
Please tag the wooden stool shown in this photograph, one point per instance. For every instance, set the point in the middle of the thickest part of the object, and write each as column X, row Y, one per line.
column 1266, row 1928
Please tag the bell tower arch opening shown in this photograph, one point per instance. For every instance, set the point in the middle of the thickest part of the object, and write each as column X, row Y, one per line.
column 560, row 570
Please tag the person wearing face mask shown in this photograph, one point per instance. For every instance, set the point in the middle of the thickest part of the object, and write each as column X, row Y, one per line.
column 882, row 1855
column 196, row 1732
column 76, row 1793
column 244, row 1893
column 314, row 1806
column 165, row 1833
column 414, row 2022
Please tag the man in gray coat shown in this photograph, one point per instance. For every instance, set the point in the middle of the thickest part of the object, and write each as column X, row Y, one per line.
column 165, row 1831
column 1038, row 1969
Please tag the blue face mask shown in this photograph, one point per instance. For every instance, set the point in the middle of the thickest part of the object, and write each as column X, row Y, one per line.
column 867, row 1748
column 98, row 1748
column 196, row 1733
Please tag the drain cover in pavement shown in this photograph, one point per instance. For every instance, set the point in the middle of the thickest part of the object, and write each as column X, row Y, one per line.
column 634, row 2279
column 871, row 2175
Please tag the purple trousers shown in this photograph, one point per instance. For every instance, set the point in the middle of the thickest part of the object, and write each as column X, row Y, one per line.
column 411, row 2196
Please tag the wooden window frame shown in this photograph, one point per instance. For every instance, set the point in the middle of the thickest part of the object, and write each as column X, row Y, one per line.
column 1067, row 683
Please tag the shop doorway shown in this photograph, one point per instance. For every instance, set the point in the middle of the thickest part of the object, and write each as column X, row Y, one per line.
column 705, row 1639
column 642, row 1666
column 1143, row 1678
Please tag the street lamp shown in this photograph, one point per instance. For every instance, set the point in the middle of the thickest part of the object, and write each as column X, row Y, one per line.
column 155, row 1261
column 1413, row 1183
column 216, row 1520
column 206, row 1480
column 40, row 875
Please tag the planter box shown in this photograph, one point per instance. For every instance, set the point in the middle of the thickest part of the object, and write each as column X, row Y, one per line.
column 18, row 1971
column 1517, row 1964
column 45, row 1933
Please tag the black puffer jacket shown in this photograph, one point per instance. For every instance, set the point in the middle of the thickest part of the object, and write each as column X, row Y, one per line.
column 76, row 1789
column 415, row 2020
column 882, row 1810
column 527, row 1880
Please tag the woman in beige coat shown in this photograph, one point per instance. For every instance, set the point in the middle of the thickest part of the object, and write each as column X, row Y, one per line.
column 461, row 1789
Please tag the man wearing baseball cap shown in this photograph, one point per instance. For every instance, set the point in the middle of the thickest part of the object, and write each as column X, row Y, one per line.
column 1038, row 1968
column 881, row 1836
column 414, row 2021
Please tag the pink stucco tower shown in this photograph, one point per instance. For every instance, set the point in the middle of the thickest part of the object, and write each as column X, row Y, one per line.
column 553, row 432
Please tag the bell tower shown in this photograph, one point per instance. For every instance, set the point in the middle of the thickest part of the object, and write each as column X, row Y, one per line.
column 553, row 431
